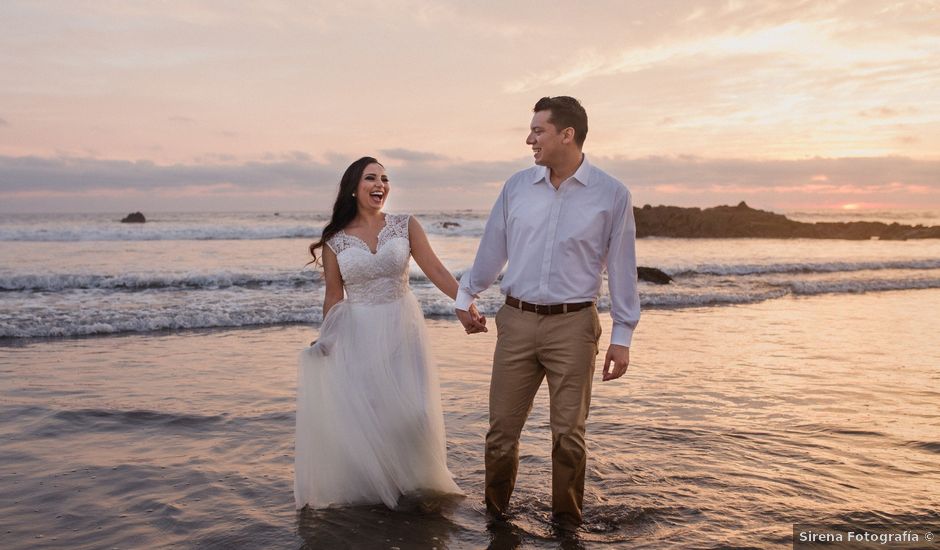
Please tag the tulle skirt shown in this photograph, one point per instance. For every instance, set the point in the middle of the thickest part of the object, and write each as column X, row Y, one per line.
column 369, row 422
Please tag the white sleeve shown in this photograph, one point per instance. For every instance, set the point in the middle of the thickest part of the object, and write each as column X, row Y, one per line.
column 490, row 259
column 621, row 274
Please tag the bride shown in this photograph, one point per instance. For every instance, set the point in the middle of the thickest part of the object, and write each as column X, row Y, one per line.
column 369, row 422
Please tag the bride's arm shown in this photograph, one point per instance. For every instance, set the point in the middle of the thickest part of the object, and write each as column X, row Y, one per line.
column 431, row 265
column 333, row 279
column 428, row 261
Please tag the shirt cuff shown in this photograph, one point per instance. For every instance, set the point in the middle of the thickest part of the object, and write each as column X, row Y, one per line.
column 464, row 300
column 621, row 335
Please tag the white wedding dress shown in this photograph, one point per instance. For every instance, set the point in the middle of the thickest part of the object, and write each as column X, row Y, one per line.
column 369, row 422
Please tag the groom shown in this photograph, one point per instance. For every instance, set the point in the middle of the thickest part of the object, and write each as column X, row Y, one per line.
column 558, row 225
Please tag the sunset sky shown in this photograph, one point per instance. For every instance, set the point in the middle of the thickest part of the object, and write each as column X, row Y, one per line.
column 226, row 105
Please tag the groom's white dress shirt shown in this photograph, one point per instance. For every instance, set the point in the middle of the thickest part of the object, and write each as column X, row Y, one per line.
column 558, row 243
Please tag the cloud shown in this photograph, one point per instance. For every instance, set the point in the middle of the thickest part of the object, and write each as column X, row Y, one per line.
column 453, row 183
column 780, row 184
column 698, row 171
column 75, row 174
column 878, row 112
column 776, row 78
column 776, row 40
column 411, row 156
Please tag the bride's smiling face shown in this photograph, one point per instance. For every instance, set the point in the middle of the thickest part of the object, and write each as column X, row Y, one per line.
column 373, row 188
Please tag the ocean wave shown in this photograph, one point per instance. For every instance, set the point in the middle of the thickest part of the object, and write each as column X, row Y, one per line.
column 668, row 300
column 154, row 231
column 247, row 229
column 812, row 288
column 928, row 446
column 110, row 419
column 106, row 420
column 43, row 282
column 94, row 312
column 802, row 267
column 39, row 282
column 303, row 278
column 52, row 323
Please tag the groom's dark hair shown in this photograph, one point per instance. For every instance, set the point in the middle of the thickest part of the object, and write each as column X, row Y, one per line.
column 566, row 112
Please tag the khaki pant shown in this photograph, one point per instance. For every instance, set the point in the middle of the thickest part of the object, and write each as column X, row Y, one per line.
column 530, row 347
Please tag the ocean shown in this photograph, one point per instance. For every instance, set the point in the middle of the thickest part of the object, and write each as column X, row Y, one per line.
column 147, row 377
column 75, row 275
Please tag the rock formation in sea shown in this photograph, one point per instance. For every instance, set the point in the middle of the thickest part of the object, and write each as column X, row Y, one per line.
column 653, row 275
column 744, row 221
column 135, row 217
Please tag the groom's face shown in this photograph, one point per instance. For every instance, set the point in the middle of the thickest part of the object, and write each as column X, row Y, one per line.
column 544, row 138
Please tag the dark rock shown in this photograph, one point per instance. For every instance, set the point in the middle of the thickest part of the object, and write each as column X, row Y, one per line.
column 135, row 217
column 653, row 275
column 447, row 225
column 742, row 221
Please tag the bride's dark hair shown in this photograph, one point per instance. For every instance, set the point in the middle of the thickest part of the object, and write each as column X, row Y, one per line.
column 344, row 209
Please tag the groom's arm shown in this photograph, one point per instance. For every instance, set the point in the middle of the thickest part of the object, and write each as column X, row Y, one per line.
column 622, row 284
column 490, row 259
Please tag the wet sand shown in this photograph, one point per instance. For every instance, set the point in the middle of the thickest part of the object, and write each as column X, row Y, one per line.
column 732, row 424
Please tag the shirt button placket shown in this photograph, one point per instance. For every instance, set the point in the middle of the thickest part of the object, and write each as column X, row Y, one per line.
column 549, row 249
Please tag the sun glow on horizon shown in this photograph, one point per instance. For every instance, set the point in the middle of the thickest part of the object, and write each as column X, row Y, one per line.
column 867, row 206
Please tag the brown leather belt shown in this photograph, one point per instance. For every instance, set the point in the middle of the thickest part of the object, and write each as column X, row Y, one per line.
column 552, row 309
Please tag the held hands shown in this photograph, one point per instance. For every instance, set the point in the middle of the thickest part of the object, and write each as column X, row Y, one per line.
column 620, row 357
column 472, row 320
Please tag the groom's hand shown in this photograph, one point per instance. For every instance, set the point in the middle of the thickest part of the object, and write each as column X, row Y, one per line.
column 472, row 320
column 620, row 357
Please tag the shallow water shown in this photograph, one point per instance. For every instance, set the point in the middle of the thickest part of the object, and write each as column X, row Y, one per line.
column 732, row 424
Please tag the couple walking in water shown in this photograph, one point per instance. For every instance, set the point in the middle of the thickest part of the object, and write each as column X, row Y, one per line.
column 369, row 421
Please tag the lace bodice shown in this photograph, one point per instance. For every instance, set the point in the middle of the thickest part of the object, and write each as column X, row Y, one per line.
column 375, row 278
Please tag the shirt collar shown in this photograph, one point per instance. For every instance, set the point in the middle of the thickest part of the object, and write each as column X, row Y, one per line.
column 582, row 175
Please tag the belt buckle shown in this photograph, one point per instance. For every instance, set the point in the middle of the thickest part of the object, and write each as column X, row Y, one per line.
column 541, row 309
